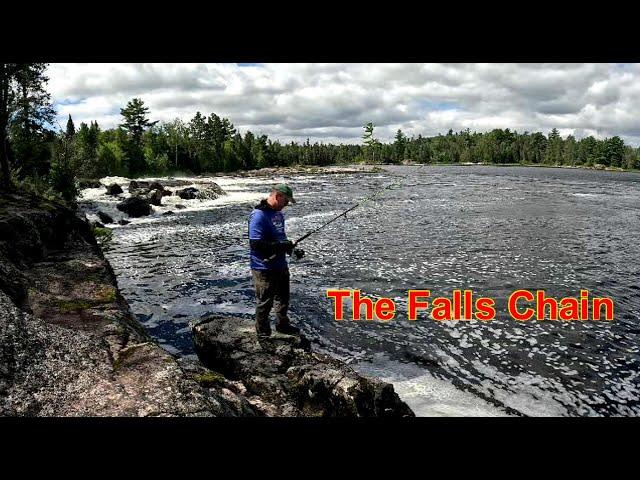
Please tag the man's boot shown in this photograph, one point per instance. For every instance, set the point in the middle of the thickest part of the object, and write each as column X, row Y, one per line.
column 287, row 329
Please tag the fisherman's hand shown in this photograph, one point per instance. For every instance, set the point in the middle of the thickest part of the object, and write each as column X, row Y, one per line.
column 298, row 252
column 287, row 247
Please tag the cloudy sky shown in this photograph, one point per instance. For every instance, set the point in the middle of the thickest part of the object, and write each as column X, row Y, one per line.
column 331, row 102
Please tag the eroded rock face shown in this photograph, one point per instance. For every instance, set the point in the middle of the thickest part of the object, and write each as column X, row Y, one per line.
column 52, row 370
column 69, row 345
column 287, row 377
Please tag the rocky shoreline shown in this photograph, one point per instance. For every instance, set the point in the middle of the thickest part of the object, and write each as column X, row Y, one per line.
column 70, row 345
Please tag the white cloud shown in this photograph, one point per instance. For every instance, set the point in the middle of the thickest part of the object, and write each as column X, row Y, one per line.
column 331, row 102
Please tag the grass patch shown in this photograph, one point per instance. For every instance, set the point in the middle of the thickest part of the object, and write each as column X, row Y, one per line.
column 72, row 306
column 209, row 379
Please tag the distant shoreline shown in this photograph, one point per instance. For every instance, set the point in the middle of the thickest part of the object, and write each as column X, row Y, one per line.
column 357, row 168
column 537, row 165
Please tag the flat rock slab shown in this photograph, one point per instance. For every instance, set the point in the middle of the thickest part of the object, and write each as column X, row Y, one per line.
column 286, row 375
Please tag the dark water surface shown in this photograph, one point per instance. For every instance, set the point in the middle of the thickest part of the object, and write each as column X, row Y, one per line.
column 488, row 229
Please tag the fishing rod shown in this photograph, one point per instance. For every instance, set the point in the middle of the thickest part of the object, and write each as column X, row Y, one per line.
column 360, row 203
column 343, row 214
column 366, row 199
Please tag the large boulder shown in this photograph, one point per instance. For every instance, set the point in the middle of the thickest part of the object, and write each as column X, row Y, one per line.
column 135, row 206
column 104, row 217
column 211, row 192
column 284, row 373
column 137, row 185
column 155, row 197
column 188, row 193
column 114, row 189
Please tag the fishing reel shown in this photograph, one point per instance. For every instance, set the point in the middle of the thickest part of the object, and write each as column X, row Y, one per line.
column 298, row 253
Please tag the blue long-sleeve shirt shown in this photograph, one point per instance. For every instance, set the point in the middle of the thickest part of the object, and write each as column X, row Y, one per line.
column 267, row 224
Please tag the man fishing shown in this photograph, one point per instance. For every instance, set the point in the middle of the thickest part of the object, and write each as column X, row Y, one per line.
column 269, row 247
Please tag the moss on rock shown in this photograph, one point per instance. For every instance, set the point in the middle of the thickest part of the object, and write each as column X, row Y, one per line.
column 209, row 379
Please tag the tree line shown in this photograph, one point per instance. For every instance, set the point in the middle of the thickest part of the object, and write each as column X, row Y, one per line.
column 35, row 154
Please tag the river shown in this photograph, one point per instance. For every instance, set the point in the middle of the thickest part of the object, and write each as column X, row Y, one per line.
column 489, row 229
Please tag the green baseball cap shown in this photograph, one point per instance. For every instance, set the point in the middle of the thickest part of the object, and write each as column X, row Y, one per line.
column 285, row 190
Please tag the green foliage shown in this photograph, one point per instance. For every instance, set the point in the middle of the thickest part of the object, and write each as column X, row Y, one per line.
column 372, row 147
column 135, row 122
column 62, row 175
column 33, row 185
column 209, row 379
column 26, row 112
column 87, row 142
column 49, row 163
column 104, row 236
column 71, row 128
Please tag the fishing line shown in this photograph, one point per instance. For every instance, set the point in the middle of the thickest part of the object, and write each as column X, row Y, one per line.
column 371, row 197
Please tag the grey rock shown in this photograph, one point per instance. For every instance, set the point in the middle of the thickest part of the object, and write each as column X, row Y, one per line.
column 114, row 189
column 105, row 218
column 287, row 377
column 135, row 206
column 69, row 344
column 211, row 192
column 135, row 185
column 155, row 197
column 188, row 193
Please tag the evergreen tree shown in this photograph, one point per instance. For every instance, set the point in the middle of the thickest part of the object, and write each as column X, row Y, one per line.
column 614, row 151
column 135, row 122
column 7, row 78
column 570, row 152
column 553, row 155
column 71, row 129
column 25, row 112
column 370, row 142
column 399, row 146
column 62, row 175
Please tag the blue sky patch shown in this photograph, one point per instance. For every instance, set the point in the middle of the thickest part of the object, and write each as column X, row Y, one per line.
column 433, row 105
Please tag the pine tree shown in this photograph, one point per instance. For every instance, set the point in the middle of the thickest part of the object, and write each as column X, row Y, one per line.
column 25, row 110
column 7, row 93
column 71, row 129
column 369, row 141
column 399, row 146
column 134, row 124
